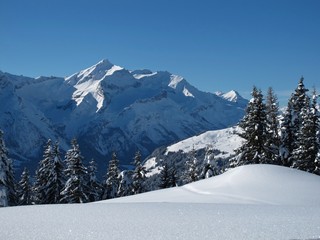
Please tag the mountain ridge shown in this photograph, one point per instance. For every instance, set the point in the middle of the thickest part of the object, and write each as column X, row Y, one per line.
column 108, row 108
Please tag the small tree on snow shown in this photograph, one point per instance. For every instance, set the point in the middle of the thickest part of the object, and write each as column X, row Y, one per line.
column 8, row 194
column 96, row 189
column 76, row 188
column 210, row 165
column 191, row 172
column 56, row 177
column 165, row 177
column 139, row 175
column 25, row 190
column 112, row 178
column 42, row 173
column 254, row 127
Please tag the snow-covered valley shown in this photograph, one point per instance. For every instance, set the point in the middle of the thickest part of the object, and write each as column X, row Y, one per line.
column 248, row 202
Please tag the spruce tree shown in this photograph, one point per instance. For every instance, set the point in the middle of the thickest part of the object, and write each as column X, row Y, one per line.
column 42, row 173
column 112, row 178
column 287, row 137
column 192, row 171
column 8, row 192
column 298, row 101
column 210, row 167
column 25, row 190
column 125, row 183
column 56, row 178
column 96, row 189
column 76, row 188
column 139, row 175
column 4, row 189
column 165, row 177
column 254, row 127
column 272, row 129
column 305, row 155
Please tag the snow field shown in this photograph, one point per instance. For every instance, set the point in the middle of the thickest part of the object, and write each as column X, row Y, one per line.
column 248, row 202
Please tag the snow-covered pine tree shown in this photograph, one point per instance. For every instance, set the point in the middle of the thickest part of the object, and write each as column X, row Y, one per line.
column 298, row 101
column 316, row 130
column 191, row 172
column 210, row 165
column 96, row 189
column 139, row 175
column 165, row 177
column 112, row 178
column 3, row 173
column 305, row 155
column 273, row 139
column 173, row 178
column 25, row 191
column 76, row 188
column 254, row 127
column 125, row 185
column 8, row 193
column 287, row 137
column 42, row 173
column 56, row 178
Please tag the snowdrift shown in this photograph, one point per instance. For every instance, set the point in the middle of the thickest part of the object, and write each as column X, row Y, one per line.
column 252, row 184
column 246, row 203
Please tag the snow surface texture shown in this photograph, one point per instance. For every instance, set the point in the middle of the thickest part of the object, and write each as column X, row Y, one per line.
column 250, row 202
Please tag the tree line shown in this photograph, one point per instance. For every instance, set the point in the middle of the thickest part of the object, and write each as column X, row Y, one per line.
column 290, row 139
column 70, row 181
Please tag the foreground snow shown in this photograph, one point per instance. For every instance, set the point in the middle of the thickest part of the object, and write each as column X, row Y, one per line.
column 251, row 202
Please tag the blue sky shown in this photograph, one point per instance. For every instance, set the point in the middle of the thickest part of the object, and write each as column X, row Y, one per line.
column 215, row 45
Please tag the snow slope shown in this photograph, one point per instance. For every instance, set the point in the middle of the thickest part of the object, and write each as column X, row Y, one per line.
column 246, row 203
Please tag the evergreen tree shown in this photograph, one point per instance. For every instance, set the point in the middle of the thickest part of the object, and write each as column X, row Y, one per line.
column 8, row 193
column 56, row 178
column 4, row 191
column 42, row 173
column 298, row 101
column 254, row 127
column 125, row 183
column 139, row 175
column 96, row 189
column 192, row 171
column 287, row 137
column 173, row 179
column 165, row 177
column 25, row 190
column 112, row 178
column 76, row 188
column 210, row 167
column 272, row 129
column 305, row 155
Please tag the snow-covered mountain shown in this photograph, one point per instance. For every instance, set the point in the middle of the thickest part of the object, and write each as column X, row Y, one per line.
column 246, row 203
column 108, row 108
column 223, row 144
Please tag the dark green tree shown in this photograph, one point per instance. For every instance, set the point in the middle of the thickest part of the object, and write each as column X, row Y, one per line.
column 76, row 188
column 139, row 175
column 112, row 178
column 96, row 189
column 272, row 129
column 254, row 126
column 25, row 189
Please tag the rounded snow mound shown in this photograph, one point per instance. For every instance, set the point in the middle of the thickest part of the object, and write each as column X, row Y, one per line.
column 251, row 184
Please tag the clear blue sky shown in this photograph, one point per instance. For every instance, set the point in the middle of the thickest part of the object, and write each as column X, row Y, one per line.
column 215, row 45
